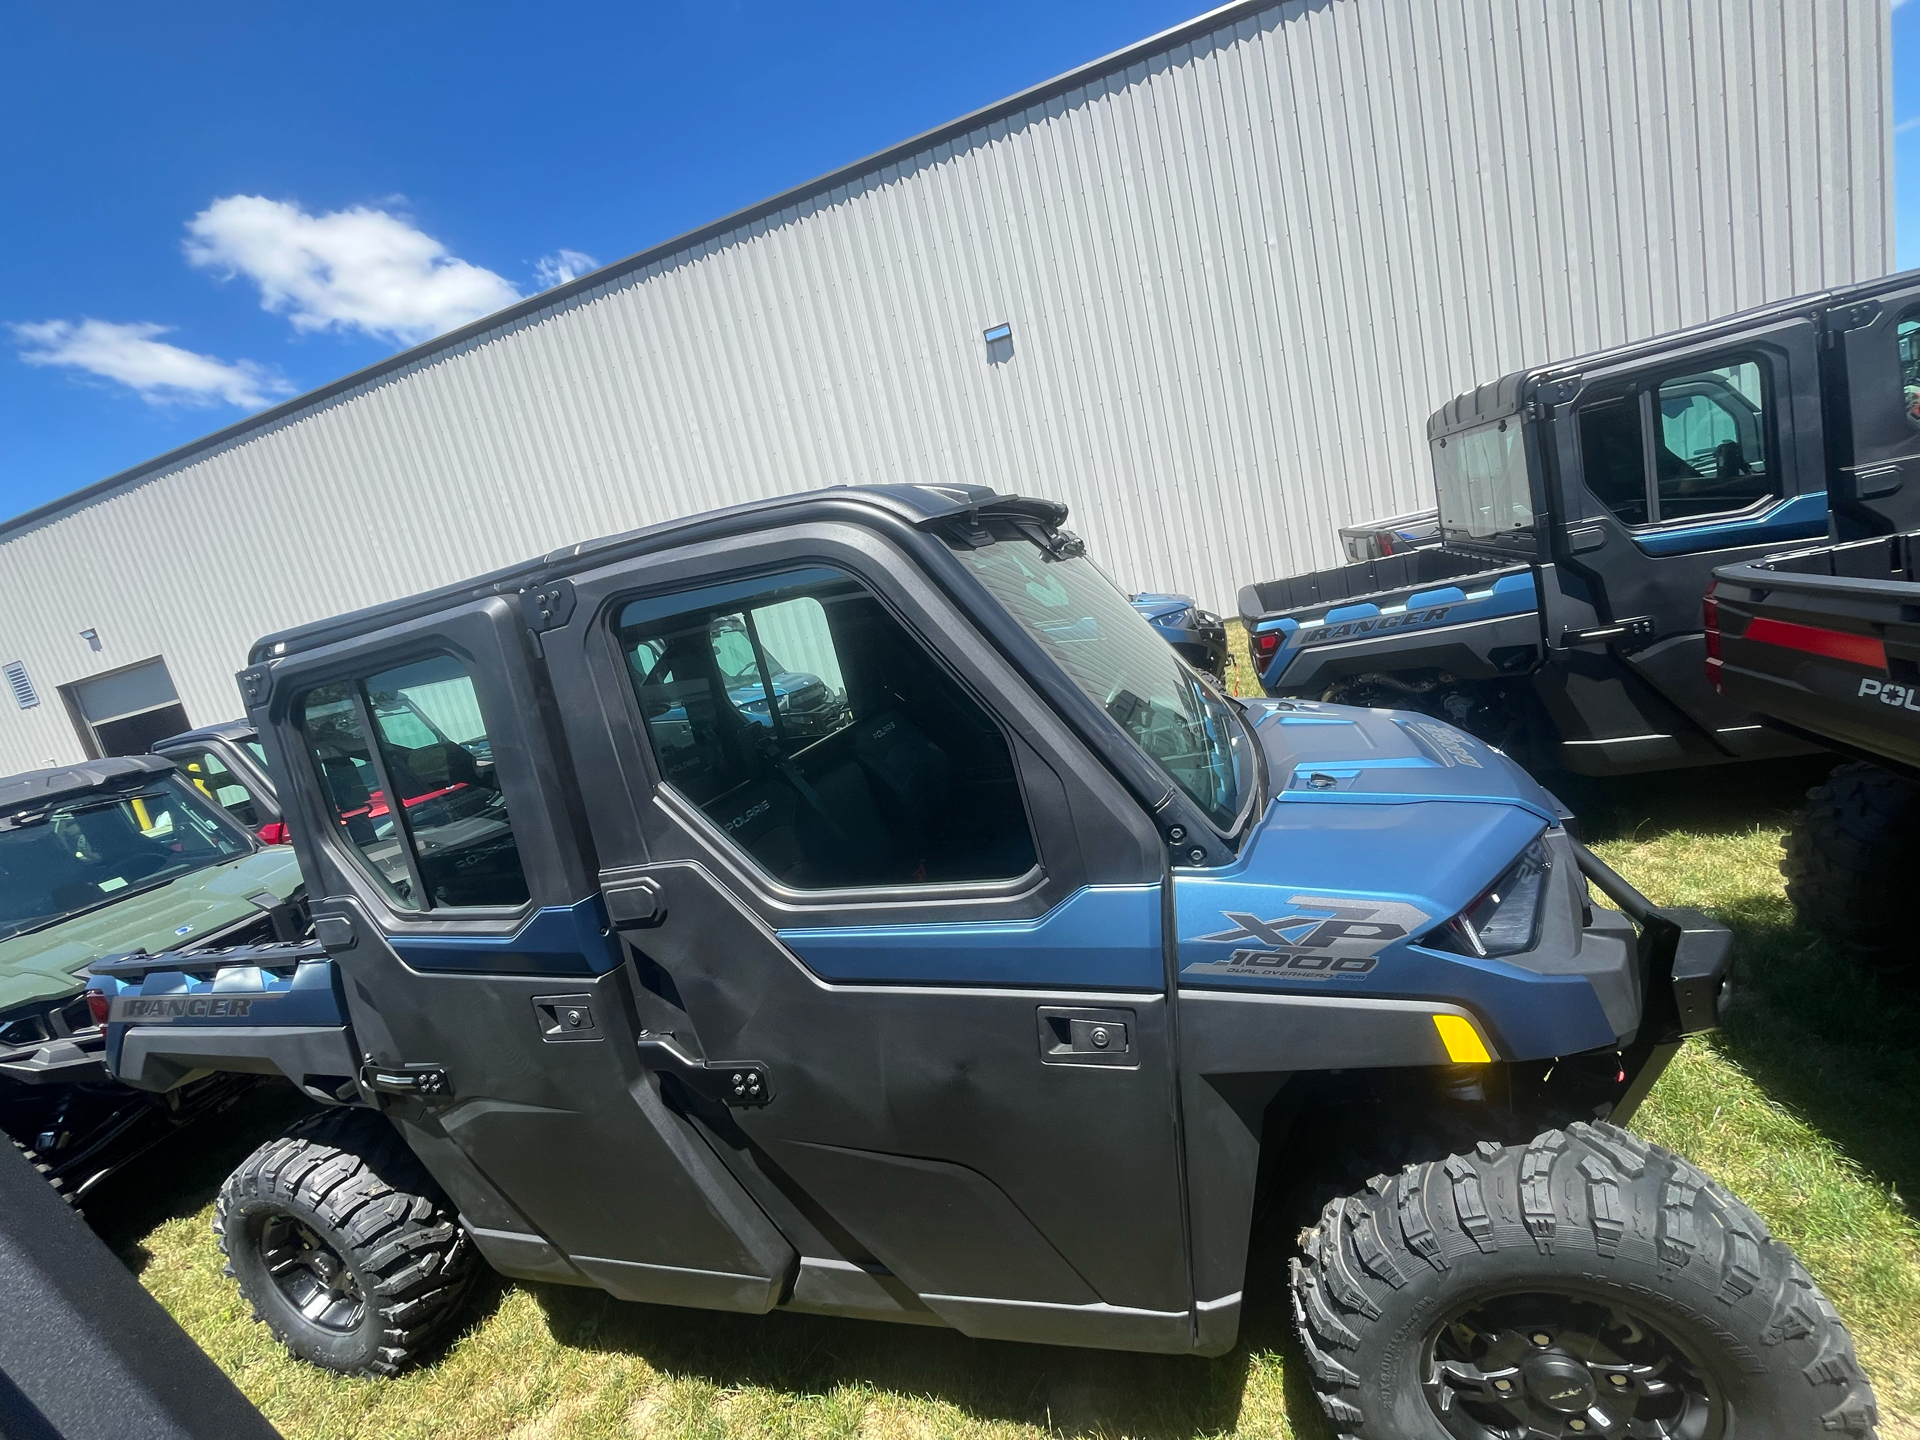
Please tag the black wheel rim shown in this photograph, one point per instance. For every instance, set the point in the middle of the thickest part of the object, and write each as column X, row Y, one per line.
column 310, row 1275
column 1547, row 1366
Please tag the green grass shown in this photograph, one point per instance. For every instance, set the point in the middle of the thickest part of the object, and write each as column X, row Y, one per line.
column 1807, row 1105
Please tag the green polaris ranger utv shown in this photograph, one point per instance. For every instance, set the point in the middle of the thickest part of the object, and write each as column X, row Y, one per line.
column 98, row 858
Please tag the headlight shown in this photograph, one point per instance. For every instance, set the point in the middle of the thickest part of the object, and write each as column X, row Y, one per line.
column 1505, row 920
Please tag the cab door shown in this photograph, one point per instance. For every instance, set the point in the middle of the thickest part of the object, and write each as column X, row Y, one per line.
column 1876, row 480
column 452, row 888
column 1669, row 467
column 898, row 945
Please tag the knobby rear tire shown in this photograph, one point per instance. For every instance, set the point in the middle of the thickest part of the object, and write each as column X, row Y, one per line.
column 1592, row 1210
column 350, row 1179
column 1849, row 858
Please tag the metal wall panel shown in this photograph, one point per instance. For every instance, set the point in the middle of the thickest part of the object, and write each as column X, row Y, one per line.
column 1241, row 268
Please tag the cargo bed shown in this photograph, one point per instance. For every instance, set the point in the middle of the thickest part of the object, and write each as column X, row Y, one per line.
column 1825, row 644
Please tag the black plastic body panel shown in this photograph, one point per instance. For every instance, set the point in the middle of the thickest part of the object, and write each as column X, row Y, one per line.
column 1845, row 667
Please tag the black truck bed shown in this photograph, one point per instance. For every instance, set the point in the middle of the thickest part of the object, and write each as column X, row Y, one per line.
column 1825, row 643
column 1345, row 582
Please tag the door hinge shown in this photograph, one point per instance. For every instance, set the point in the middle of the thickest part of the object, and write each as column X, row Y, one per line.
column 740, row 1083
column 1640, row 627
column 549, row 606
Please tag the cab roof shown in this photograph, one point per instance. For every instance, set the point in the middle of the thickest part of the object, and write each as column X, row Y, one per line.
column 915, row 505
column 224, row 730
column 40, row 787
column 1506, row 395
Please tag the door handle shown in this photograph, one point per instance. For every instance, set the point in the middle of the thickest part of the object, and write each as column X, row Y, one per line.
column 1638, row 628
column 742, row 1084
column 1072, row 1036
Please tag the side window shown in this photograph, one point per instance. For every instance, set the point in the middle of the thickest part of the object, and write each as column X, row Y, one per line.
column 1681, row 447
column 806, row 723
column 1612, row 457
column 1907, row 333
column 1712, row 456
column 212, row 777
column 449, row 843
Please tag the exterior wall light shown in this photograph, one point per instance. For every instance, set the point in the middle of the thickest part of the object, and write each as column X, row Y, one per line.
column 999, row 343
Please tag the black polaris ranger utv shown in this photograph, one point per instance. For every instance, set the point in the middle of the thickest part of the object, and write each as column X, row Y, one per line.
column 1583, row 507
column 977, row 982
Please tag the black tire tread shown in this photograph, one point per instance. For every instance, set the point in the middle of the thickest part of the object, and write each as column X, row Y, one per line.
column 1848, row 860
column 353, row 1169
column 1363, row 1246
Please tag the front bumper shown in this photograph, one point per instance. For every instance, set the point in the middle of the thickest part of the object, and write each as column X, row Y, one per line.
column 1685, row 958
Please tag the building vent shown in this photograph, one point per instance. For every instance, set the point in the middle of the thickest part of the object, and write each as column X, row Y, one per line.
column 18, row 681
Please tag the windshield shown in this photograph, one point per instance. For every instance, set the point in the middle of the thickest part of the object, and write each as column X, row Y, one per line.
column 79, row 854
column 1482, row 478
column 1085, row 623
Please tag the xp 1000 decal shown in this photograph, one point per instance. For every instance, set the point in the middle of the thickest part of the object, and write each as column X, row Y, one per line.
column 1318, row 939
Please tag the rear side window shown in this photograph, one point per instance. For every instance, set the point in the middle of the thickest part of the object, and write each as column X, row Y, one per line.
column 1681, row 447
column 820, row 736
column 416, row 732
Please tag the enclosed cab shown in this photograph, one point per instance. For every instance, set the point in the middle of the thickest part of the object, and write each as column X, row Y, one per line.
column 107, row 856
column 1583, row 508
column 989, row 996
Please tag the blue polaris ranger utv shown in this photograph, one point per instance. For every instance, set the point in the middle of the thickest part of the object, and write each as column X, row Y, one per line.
column 1584, row 506
column 1004, row 999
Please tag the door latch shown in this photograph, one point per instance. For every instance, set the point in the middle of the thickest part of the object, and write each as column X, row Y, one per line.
column 1070, row 1036
column 426, row 1081
column 1640, row 627
column 740, row 1083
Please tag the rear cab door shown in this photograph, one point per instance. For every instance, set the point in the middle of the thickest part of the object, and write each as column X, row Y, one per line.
column 437, row 823
column 1876, row 478
column 1668, row 466
column 859, row 868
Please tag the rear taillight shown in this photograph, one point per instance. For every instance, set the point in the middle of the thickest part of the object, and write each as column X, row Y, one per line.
column 274, row 832
column 1710, row 615
column 97, row 1006
column 1265, row 646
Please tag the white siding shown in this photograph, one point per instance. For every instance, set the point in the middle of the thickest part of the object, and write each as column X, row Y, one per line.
column 1240, row 273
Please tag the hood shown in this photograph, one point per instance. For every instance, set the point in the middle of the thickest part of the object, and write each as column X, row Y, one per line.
column 1383, row 825
column 1340, row 754
column 46, row 964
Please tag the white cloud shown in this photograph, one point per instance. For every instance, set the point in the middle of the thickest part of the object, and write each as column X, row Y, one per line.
column 558, row 269
column 357, row 269
column 1905, row 125
column 160, row 373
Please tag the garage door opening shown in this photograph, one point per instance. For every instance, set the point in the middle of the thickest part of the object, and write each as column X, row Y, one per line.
column 125, row 711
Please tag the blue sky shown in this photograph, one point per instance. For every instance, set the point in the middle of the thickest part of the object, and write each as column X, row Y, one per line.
column 211, row 206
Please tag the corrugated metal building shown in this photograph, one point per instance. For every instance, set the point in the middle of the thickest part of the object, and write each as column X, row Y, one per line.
column 1241, row 261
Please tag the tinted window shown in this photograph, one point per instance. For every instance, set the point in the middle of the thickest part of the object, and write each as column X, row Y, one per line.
column 819, row 735
column 1907, row 335
column 452, row 829
column 86, row 851
column 1712, row 456
column 1710, row 451
column 213, row 778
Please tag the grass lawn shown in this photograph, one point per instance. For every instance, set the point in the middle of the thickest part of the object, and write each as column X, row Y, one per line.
column 1807, row 1105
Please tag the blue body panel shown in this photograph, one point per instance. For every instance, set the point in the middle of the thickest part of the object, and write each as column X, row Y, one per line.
column 556, row 940
column 1800, row 517
column 1436, row 607
column 1168, row 614
column 1412, row 831
column 1099, row 937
